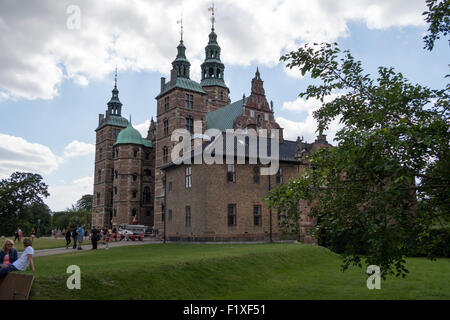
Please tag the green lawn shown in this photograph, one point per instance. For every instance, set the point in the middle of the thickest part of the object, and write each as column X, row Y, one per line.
column 250, row 271
column 39, row 243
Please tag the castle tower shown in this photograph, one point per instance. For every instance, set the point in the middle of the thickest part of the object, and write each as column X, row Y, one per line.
column 180, row 102
column 133, row 178
column 109, row 126
column 213, row 73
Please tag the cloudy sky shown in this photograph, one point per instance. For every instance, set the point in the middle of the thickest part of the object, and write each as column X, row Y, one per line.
column 57, row 60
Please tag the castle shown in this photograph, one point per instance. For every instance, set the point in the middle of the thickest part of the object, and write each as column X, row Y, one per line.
column 136, row 181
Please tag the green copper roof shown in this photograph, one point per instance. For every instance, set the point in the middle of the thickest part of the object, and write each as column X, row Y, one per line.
column 147, row 143
column 182, row 83
column 209, row 82
column 224, row 117
column 113, row 120
column 129, row 135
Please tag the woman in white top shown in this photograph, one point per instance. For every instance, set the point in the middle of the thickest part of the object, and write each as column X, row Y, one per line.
column 25, row 260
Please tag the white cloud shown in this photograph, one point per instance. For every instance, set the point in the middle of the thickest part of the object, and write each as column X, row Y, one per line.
column 62, row 196
column 77, row 148
column 39, row 51
column 18, row 154
column 308, row 127
column 143, row 128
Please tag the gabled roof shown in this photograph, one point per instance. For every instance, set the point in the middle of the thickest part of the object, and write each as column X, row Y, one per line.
column 182, row 83
column 223, row 118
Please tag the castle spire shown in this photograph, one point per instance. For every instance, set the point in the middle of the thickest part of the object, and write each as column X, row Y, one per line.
column 114, row 104
column 181, row 64
column 213, row 68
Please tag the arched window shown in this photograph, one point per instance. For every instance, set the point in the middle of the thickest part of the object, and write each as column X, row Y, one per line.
column 165, row 154
column 211, row 72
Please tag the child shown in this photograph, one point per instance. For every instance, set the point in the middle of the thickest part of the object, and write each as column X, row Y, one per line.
column 21, row 264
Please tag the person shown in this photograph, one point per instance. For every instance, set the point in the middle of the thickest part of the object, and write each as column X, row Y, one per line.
column 114, row 232
column 21, row 264
column 68, row 238
column 20, row 234
column 80, row 236
column 8, row 254
column 75, row 237
column 16, row 234
column 33, row 233
column 94, row 238
column 107, row 241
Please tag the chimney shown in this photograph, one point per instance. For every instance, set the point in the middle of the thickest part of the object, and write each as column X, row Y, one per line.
column 163, row 82
column 173, row 77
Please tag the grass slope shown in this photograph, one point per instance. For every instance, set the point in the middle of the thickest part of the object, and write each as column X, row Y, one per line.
column 38, row 243
column 250, row 271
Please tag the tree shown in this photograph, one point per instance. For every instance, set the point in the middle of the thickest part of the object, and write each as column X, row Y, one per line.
column 438, row 17
column 389, row 171
column 85, row 203
column 17, row 193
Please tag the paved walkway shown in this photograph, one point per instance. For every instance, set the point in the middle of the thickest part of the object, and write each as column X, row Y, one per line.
column 100, row 246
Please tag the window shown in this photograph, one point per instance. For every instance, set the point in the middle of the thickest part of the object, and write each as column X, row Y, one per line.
column 115, row 133
column 189, row 101
column 170, row 215
column 117, row 152
column 280, row 217
column 116, row 174
column 166, row 104
column 98, row 198
column 134, row 176
column 256, row 174
column 134, row 212
column 115, row 212
column 115, row 190
column 147, row 172
column 99, row 173
column 135, row 153
column 100, row 152
column 134, row 192
column 189, row 124
column 112, row 174
column 166, row 127
column 147, row 213
column 221, row 95
column 188, row 177
column 257, row 215
column 231, row 174
column 280, row 176
column 231, row 215
column 188, row 216
column 165, row 155
column 266, row 116
column 147, row 195
column 252, row 113
column 147, row 156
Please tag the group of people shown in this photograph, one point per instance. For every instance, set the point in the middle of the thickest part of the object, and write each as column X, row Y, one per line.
column 9, row 260
column 77, row 235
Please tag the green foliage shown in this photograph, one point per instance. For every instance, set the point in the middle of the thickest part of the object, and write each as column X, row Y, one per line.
column 18, row 193
column 78, row 214
column 438, row 18
column 390, row 169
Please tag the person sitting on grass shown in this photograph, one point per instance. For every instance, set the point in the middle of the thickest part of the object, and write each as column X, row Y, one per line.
column 8, row 254
column 21, row 264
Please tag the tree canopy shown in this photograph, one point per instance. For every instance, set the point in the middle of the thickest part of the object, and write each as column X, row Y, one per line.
column 389, row 174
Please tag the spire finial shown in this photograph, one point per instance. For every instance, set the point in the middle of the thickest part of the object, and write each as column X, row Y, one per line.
column 181, row 22
column 213, row 19
column 115, row 78
column 130, row 119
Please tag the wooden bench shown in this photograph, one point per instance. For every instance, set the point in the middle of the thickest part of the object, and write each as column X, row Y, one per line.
column 15, row 286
